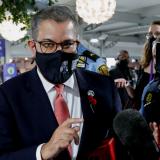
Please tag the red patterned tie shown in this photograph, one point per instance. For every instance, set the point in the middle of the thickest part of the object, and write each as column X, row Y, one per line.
column 61, row 108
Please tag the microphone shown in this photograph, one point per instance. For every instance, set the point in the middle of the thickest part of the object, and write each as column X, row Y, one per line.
column 134, row 133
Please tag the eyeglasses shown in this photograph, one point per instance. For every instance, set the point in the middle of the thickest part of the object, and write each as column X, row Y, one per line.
column 49, row 46
column 155, row 35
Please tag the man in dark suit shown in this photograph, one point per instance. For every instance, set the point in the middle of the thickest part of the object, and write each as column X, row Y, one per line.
column 29, row 129
column 122, row 76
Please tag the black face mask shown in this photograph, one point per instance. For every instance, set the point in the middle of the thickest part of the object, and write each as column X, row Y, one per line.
column 123, row 64
column 56, row 67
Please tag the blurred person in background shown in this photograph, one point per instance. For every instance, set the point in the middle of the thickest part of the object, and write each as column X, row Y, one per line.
column 147, row 71
column 122, row 76
column 151, row 95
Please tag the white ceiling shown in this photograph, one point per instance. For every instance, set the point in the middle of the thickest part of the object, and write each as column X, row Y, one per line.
column 128, row 5
column 125, row 30
column 129, row 23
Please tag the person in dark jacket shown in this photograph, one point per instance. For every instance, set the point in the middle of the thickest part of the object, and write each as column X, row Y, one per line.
column 123, row 79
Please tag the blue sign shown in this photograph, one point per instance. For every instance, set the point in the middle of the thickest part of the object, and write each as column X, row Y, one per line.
column 9, row 71
column 2, row 48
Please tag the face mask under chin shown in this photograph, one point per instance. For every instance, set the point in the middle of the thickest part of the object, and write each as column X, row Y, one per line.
column 56, row 67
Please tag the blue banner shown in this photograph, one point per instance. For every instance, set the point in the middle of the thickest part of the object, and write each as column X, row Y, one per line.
column 9, row 71
column 2, row 48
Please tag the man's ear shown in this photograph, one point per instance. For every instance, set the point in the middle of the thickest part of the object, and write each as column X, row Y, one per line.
column 32, row 47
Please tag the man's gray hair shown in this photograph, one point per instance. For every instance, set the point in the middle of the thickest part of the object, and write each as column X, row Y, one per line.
column 56, row 13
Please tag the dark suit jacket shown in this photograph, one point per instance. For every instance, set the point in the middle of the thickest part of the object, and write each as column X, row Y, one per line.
column 27, row 118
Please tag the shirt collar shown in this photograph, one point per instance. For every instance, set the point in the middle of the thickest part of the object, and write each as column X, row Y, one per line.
column 48, row 86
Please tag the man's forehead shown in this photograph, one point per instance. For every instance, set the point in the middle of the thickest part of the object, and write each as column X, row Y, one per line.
column 50, row 29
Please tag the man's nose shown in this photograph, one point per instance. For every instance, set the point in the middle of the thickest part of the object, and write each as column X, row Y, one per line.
column 59, row 47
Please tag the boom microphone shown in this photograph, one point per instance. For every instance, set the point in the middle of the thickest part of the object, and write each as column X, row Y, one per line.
column 135, row 134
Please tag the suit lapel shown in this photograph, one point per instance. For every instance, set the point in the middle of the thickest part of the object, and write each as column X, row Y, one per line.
column 42, row 101
column 89, row 137
column 49, row 122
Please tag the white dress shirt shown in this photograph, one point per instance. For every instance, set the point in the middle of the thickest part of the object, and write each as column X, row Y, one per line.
column 72, row 98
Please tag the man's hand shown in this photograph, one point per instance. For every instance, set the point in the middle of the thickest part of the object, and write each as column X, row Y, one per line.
column 121, row 82
column 61, row 138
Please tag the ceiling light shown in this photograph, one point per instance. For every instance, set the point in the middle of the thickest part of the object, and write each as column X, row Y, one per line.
column 95, row 11
column 10, row 30
column 94, row 40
